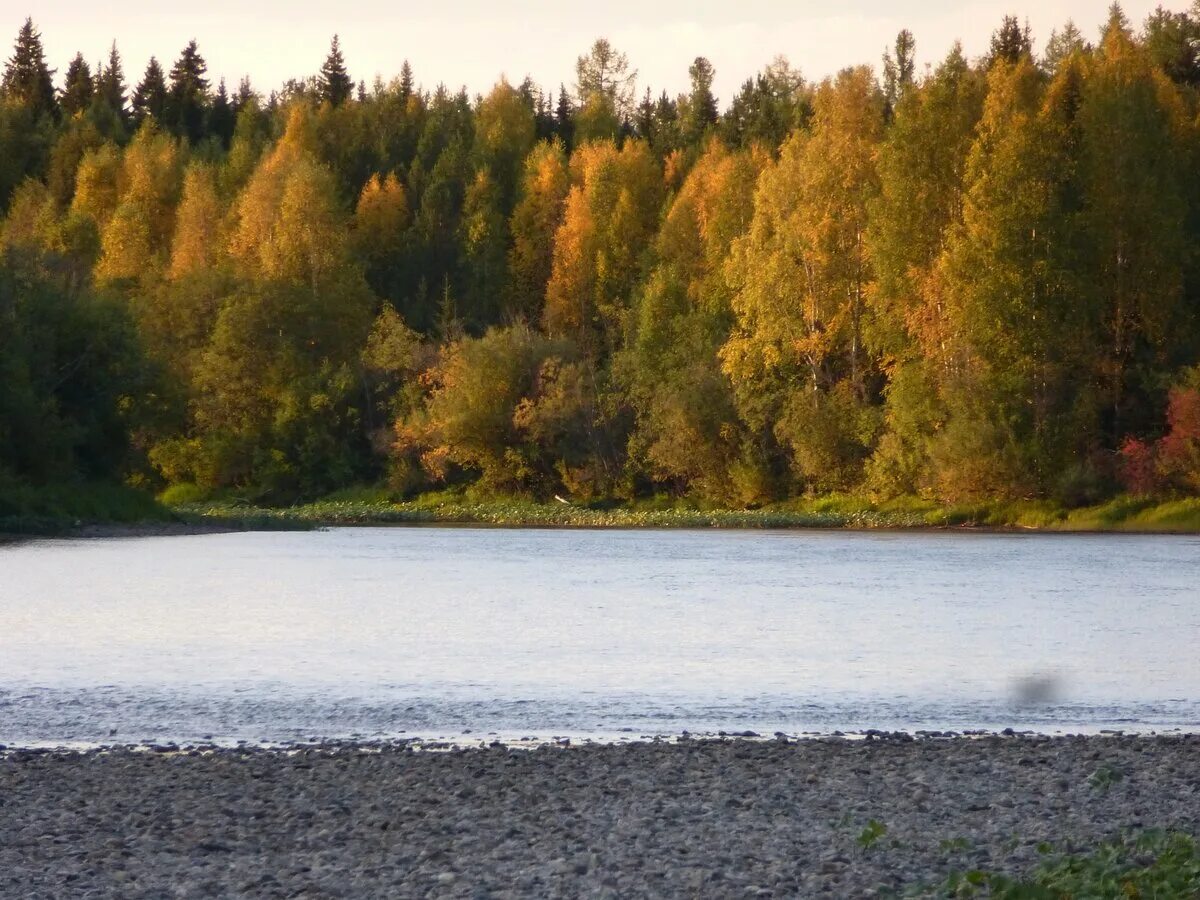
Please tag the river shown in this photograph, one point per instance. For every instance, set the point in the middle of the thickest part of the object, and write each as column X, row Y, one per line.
column 469, row 633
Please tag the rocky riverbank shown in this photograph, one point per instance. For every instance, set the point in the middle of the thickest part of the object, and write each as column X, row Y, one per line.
column 723, row 818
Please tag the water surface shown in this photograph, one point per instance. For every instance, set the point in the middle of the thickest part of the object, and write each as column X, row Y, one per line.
column 437, row 631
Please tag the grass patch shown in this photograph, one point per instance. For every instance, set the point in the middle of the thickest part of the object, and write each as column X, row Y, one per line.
column 1148, row 865
column 366, row 506
column 1138, row 514
column 56, row 508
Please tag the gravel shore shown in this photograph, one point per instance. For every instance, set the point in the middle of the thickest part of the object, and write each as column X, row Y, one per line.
column 727, row 818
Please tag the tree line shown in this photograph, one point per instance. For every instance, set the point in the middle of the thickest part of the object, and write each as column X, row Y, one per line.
column 977, row 281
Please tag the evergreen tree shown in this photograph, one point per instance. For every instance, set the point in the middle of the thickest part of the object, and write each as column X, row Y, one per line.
column 333, row 83
column 898, row 70
column 78, row 86
column 1010, row 42
column 407, row 85
column 1173, row 42
column 1062, row 45
column 701, row 112
column 604, row 73
column 1009, row 421
column 110, row 83
column 564, row 118
column 187, row 95
column 150, row 95
column 1133, row 166
column 26, row 77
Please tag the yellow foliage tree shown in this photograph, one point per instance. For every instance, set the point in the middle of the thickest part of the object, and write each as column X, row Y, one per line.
column 533, row 225
column 136, row 240
column 609, row 220
column 97, row 191
column 198, row 224
column 800, row 277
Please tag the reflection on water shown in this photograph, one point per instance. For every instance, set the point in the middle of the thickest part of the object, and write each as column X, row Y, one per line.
column 436, row 631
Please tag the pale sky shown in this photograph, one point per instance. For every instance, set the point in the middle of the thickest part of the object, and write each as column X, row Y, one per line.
column 473, row 42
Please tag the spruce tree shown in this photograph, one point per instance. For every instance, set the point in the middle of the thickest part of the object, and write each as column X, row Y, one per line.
column 701, row 110
column 1011, row 42
column 110, row 82
column 898, row 70
column 245, row 94
column 78, row 87
column 187, row 96
column 26, row 77
column 643, row 119
column 564, row 117
column 334, row 84
column 1062, row 45
column 406, row 80
column 221, row 118
column 150, row 96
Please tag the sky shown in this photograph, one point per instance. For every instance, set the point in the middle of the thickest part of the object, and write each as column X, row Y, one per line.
column 473, row 42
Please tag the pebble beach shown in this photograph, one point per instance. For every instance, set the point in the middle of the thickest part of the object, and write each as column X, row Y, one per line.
column 690, row 818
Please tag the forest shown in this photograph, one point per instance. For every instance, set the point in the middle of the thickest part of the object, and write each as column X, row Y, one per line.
column 979, row 280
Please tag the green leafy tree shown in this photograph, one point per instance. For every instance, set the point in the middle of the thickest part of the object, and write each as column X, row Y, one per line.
column 1133, row 168
column 921, row 166
column 688, row 432
column 801, row 276
column 1007, row 284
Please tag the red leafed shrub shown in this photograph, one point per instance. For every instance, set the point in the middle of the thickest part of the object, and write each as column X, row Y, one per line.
column 1179, row 450
column 1139, row 466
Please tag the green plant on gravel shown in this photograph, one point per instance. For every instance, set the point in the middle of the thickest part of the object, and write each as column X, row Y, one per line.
column 1152, row 865
column 1105, row 777
column 955, row 845
column 871, row 834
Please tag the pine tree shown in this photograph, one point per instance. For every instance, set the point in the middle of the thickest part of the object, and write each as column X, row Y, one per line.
column 407, row 85
column 1008, row 416
column 78, row 86
column 334, row 84
column 187, row 95
column 110, row 82
column 564, row 118
column 1010, row 42
column 26, row 77
column 221, row 116
column 1173, row 42
column 150, row 96
column 604, row 72
column 898, row 70
column 1062, row 45
column 701, row 109
column 643, row 120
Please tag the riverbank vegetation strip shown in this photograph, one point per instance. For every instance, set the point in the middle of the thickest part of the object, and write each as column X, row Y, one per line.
column 977, row 285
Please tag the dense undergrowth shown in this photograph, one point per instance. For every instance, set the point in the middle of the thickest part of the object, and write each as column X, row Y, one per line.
column 55, row 508
column 63, row 507
column 1154, row 864
column 366, row 506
